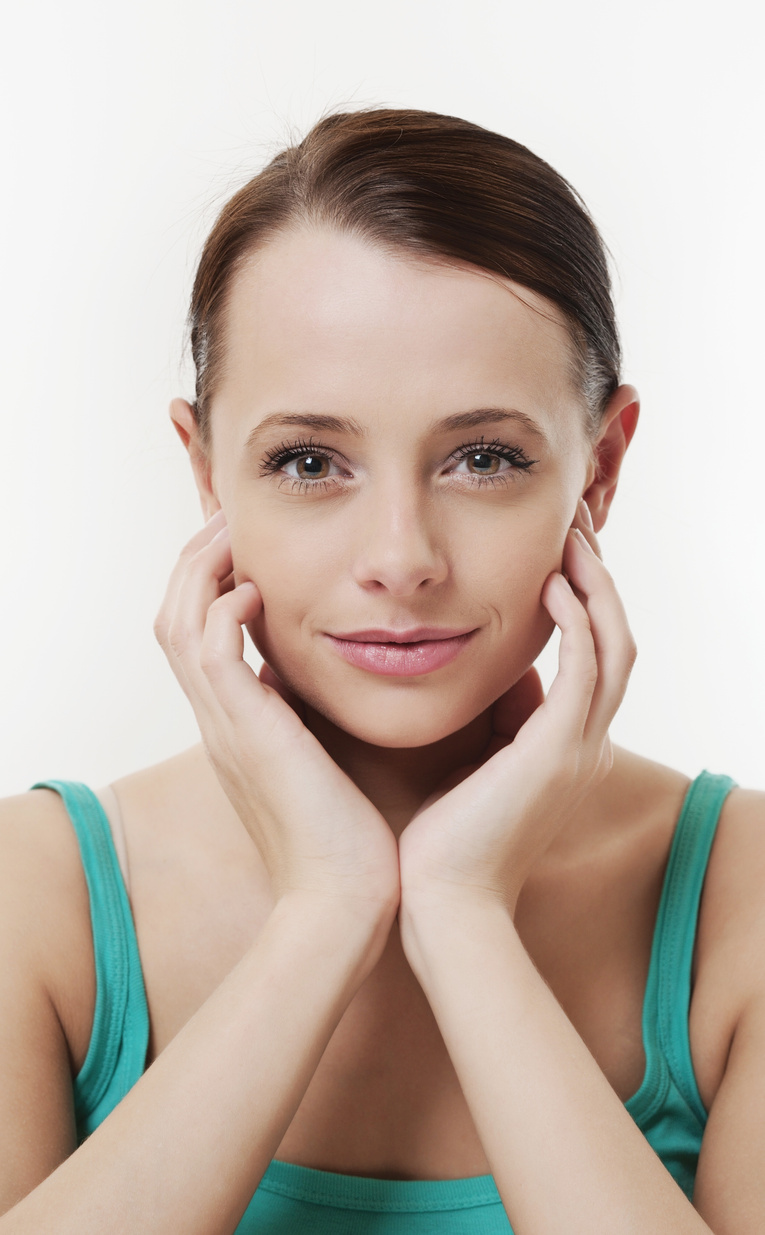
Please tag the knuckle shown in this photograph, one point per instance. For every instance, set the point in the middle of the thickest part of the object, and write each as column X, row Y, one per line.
column 198, row 559
column 191, row 548
column 583, row 619
column 210, row 661
column 630, row 654
column 160, row 628
column 590, row 673
column 179, row 638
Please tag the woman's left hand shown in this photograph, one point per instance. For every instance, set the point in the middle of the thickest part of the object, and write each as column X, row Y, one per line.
column 485, row 827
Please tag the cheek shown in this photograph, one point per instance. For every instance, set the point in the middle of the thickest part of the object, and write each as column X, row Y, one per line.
column 290, row 574
column 507, row 575
column 508, row 570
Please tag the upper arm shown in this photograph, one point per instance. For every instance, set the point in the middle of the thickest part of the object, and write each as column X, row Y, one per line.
column 730, row 1180
column 39, row 923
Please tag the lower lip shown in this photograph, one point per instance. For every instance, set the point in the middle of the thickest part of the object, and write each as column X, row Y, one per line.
column 401, row 659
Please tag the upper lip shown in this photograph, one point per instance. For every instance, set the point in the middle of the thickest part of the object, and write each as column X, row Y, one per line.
column 415, row 635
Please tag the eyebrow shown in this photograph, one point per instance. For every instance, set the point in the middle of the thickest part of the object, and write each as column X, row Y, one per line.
column 344, row 424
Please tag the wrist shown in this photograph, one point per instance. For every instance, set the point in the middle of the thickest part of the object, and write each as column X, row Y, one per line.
column 355, row 929
column 433, row 928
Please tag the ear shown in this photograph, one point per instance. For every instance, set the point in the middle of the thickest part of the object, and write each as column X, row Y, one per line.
column 182, row 416
column 616, row 431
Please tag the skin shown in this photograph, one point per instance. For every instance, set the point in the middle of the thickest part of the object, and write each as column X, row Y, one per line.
column 457, row 892
column 323, row 323
column 400, row 533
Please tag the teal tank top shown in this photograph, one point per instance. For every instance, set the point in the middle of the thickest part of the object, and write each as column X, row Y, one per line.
column 303, row 1201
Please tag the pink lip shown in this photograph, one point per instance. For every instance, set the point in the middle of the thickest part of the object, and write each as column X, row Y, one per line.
column 400, row 659
column 416, row 634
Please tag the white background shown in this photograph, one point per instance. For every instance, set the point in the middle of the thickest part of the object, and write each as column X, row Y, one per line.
column 127, row 126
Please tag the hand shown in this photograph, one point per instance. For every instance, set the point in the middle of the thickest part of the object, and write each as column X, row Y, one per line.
column 316, row 832
column 483, row 830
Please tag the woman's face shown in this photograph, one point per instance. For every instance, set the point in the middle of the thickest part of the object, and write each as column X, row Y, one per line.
column 392, row 517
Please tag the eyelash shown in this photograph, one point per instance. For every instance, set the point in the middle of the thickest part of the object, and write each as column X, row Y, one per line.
column 275, row 459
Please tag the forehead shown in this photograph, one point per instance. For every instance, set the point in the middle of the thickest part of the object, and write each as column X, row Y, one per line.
column 326, row 321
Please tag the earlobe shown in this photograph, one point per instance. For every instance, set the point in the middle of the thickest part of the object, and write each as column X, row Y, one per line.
column 618, row 428
column 184, row 422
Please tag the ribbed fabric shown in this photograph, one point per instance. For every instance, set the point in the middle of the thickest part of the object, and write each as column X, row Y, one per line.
column 667, row 1107
column 298, row 1200
column 120, row 1036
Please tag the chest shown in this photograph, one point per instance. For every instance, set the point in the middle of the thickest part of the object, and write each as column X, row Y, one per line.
column 385, row 1100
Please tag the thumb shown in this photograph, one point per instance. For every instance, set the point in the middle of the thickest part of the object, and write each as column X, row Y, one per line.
column 514, row 708
column 268, row 678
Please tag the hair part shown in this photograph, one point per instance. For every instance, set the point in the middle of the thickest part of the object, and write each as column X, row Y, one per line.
column 434, row 187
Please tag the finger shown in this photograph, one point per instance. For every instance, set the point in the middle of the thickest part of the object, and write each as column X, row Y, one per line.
column 229, row 583
column 200, row 583
column 197, row 583
column 567, row 706
column 169, row 601
column 514, row 708
column 221, row 652
column 198, row 586
column 613, row 641
column 583, row 521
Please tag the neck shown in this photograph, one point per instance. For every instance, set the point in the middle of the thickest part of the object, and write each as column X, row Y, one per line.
column 397, row 780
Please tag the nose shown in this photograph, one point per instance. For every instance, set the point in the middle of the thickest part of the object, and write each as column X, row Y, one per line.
column 400, row 543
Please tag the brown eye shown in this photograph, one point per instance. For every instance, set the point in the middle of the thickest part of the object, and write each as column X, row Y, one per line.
column 492, row 463
column 486, row 464
column 312, row 467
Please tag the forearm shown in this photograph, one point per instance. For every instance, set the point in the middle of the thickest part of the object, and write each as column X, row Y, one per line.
column 564, row 1152
column 187, row 1146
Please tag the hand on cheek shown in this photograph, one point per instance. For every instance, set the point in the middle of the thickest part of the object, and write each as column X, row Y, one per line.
column 481, row 838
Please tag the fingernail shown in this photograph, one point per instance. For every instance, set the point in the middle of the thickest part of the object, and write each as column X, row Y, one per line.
column 584, row 511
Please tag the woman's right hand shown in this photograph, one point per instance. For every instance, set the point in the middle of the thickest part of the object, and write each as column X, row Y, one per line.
column 316, row 832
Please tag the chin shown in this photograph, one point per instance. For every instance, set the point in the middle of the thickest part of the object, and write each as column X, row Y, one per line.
column 406, row 718
column 403, row 733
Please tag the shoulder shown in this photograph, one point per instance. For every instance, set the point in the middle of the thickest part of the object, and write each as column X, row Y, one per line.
column 729, row 1186
column 733, row 923
column 40, row 867
column 46, row 951
column 729, row 958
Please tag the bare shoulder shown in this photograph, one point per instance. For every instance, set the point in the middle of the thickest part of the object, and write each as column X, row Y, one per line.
column 732, row 927
column 45, row 915
column 47, row 987
column 730, row 946
column 40, row 867
column 728, row 963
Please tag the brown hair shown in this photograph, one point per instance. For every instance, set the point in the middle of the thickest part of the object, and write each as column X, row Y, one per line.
column 436, row 187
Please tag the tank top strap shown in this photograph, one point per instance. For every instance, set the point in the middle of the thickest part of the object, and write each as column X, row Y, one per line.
column 119, row 1039
column 676, row 925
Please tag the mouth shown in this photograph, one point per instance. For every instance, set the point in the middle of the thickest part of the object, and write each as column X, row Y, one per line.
column 415, row 634
column 399, row 657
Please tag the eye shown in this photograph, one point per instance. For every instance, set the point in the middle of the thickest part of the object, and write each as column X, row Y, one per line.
column 311, row 462
column 484, row 462
column 314, row 466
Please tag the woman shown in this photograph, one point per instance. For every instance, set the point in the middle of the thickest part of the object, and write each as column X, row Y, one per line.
column 407, row 945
